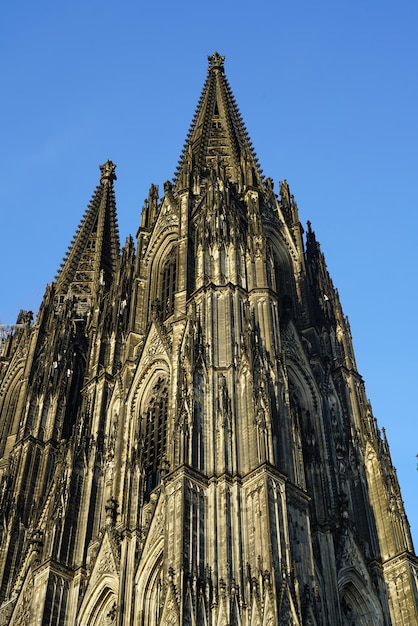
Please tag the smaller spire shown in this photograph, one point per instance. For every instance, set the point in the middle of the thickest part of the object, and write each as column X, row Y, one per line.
column 90, row 263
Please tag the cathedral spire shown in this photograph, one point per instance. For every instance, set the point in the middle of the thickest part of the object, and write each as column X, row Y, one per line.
column 91, row 258
column 217, row 137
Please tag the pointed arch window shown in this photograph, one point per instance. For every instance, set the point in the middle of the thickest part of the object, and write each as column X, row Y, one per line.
column 155, row 437
column 168, row 283
column 198, row 421
column 271, row 268
column 10, row 416
column 153, row 593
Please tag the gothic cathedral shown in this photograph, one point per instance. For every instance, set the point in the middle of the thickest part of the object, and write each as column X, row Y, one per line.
column 185, row 439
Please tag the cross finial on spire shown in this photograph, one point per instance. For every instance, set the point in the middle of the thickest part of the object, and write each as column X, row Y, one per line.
column 108, row 171
column 215, row 61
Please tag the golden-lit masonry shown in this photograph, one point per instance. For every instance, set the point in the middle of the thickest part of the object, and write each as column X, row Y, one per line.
column 184, row 437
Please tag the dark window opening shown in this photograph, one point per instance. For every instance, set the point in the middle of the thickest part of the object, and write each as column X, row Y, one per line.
column 155, row 439
column 168, row 283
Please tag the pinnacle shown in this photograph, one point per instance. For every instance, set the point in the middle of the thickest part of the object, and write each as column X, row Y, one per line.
column 107, row 172
column 216, row 61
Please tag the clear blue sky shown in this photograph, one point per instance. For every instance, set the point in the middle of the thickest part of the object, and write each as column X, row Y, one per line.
column 328, row 92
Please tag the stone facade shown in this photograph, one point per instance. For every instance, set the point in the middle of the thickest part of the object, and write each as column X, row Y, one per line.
column 184, row 436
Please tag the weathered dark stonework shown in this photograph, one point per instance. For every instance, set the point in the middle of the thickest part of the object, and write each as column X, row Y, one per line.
column 184, row 436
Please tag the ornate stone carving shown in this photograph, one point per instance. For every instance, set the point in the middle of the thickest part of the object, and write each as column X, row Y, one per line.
column 107, row 172
column 215, row 60
column 23, row 615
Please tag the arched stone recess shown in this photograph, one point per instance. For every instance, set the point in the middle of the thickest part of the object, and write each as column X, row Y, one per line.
column 149, row 580
column 282, row 266
column 161, row 264
column 14, row 373
column 11, row 394
column 359, row 602
column 298, row 363
column 305, row 438
column 101, row 607
column 14, row 370
column 101, row 598
column 154, row 363
column 304, row 431
column 309, row 446
column 165, row 231
column 153, row 376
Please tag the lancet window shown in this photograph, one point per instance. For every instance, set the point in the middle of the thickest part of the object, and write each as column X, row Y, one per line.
column 168, row 283
column 9, row 410
column 271, row 268
column 280, row 276
column 155, row 439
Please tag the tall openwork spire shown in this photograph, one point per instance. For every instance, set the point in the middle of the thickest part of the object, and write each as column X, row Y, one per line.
column 217, row 136
column 91, row 258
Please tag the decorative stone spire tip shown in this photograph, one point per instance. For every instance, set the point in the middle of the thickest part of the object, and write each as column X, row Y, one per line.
column 107, row 171
column 215, row 61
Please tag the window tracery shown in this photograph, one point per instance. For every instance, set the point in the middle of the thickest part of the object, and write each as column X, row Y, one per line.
column 155, row 436
column 168, row 283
